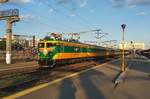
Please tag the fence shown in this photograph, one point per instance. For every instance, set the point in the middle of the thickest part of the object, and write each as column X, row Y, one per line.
column 24, row 55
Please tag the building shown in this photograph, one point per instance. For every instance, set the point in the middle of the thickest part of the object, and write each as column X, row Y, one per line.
column 25, row 40
column 2, row 39
column 134, row 45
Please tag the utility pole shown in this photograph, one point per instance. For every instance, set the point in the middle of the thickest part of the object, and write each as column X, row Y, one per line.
column 123, row 60
column 10, row 16
column 8, row 40
column 9, row 22
column 99, row 35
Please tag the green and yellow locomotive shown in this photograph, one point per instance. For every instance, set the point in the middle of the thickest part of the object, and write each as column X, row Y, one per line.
column 52, row 52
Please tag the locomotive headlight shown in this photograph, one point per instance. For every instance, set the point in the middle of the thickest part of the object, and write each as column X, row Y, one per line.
column 45, row 52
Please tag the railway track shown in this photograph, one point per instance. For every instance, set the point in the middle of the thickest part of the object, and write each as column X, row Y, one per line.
column 15, row 71
column 148, row 56
column 25, row 67
column 20, row 81
column 146, row 53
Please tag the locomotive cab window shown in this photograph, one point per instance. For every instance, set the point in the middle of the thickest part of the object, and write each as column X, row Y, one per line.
column 41, row 45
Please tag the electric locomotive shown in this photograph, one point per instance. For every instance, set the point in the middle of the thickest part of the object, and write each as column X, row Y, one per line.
column 55, row 51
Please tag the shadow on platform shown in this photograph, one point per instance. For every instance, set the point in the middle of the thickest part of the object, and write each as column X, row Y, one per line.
column 68, row 89
column 87, row 82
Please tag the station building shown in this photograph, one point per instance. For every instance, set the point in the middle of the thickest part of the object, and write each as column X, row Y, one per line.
column 134, row 45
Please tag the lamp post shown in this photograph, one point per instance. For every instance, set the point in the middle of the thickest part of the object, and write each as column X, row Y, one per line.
column 123, row 60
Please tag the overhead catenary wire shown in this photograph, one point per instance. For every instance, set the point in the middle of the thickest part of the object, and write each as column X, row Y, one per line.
column 58, row 11
column 37, row 20
column 41, row 22
column 27, row 9
column 89, row 24
column 61, row 13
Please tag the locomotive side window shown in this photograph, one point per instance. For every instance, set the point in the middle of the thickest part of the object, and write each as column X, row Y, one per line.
column 41, row 45
column 50, row 45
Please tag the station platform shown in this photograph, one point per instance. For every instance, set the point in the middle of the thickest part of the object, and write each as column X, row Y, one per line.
column 96, row 83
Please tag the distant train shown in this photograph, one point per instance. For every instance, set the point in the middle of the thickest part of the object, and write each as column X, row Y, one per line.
column 144, row 52
column 52, row 52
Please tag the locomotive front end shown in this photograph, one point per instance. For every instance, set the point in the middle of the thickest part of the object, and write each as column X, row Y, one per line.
column 45, row 53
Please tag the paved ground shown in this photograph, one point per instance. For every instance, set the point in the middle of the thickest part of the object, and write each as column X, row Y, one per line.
column 97, row 83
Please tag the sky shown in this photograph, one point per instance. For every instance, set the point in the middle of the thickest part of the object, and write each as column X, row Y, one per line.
column 38, row 17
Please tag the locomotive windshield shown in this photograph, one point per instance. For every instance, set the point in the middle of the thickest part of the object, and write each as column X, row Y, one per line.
column 41, row 45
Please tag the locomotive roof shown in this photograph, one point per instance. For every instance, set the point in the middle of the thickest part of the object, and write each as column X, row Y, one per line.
column 75, row 44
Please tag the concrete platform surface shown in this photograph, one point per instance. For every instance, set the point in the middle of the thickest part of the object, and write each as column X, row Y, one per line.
column 97, row 83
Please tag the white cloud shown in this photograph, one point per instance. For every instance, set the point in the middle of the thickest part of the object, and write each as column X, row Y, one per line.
column 21, row 1
column 118, row 3
column 91, row 10
column 51, row 10
column 82, row 3
column 27, row 17
column 63, row 1
column 138, row 2
column 132, row 6
column 141, row 14
column 72, row 15
column 130, row 3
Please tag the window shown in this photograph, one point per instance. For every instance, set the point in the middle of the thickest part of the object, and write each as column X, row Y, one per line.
column 50, row 45
column 41, row 45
